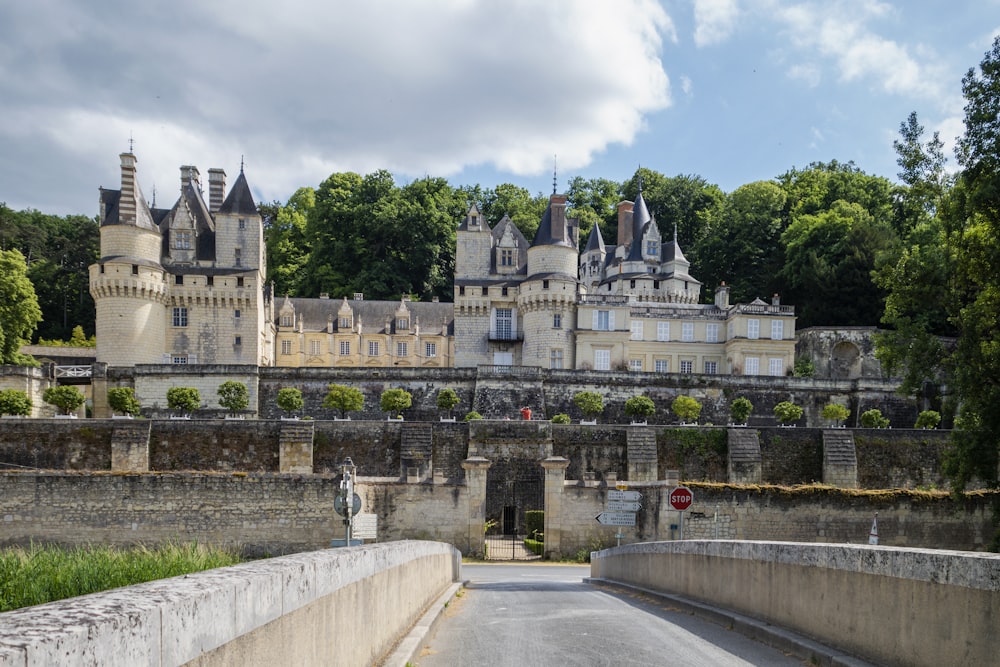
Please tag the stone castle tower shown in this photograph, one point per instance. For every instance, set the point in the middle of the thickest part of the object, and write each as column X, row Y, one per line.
column 182, row 285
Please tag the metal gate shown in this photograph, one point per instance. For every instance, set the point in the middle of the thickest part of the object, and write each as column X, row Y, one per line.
column 507, row 501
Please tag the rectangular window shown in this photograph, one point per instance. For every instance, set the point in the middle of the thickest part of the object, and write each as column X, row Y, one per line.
column 135, row 269
column 506, row 257
column 663, row 331
column 237, row 341
column 238, row 257
column 181, row 359
column 636, row 330
column 503, row 291
column 345, row 347
column 286, row 320
column 210, row 280
column 286, row 347
column 430, row 350
column 178, row 280
column 751, row 366
column 662, row 365
column 402, row 324
column 711, row 333
column 687, row 332
column 711, row 367
column 315, row 348
column 182, row 240
column 400, row 349
column 180, row 317
column 557, row 321
column 461, row 290
column 242, row 224
column 505, row 323
column 237, row 313
column 556, row 358
column 777, row 329
column 651, row 248
column 545, row 284
column 344, row 323
column 730, row 330
column 239, row 281
column 373, row 348
column 635, row 365
column 775, row 367
column 687, row 366
column 602, row 360
column 604, row 320
column 753, row 329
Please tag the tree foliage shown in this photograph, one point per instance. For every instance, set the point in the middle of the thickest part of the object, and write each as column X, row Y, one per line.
column 15, row 402
column 19, row 311
column 640, row 406
column 740, row 410
column 835, row 412
column 590, row 403
column 66, row 398
column 787, row 412
column 395, row 400
column 343, row 398
column 447, row 399
column 123, row 401
column 873, row 419
column 234, row 396
column 686, row 408
column 289, row 400
column 184, row 399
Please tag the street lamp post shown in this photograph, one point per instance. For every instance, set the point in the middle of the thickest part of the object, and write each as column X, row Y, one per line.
column 347, row 491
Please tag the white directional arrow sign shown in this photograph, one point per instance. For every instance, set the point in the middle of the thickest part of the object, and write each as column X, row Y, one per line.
column 622, row 506
column 616, row 518
column 631, row 496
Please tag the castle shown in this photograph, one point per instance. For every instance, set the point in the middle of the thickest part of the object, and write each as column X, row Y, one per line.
column 186, row 285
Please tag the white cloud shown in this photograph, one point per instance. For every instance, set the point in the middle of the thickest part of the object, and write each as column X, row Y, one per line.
column 304, row 89
column 715, row 21
column 687, row 86
column 807, row 72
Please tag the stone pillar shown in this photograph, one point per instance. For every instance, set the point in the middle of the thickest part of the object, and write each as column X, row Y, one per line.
column 475, row 482
column 840, row 461
column 295, row 447
column 555, row 475
column 642, row 455
column 130, row 445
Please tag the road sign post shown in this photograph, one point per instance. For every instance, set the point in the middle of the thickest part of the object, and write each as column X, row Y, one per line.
column 680, row 499
column 620, row 510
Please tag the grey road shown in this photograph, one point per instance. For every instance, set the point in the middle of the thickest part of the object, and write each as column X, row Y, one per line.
column 540, row 615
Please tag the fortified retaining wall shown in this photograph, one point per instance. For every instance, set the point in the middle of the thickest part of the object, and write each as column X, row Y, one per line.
column 909, row 607
column 338, row 606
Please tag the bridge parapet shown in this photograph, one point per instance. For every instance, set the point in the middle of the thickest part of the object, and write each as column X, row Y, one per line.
column 891, row 605
column 337, row 606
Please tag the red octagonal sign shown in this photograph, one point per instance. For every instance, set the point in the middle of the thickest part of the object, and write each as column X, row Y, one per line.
column 681, row 498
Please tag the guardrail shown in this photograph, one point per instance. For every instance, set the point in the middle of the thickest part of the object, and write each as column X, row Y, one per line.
column 74, row 371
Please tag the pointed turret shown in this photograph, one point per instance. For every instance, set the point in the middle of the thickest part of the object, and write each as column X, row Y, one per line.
column 240, row 200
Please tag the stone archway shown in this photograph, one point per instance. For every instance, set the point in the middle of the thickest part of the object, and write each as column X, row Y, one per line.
column 845, row 361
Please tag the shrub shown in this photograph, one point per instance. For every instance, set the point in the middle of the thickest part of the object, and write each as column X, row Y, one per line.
column 234, row 396
column 686, row 408
column 740, row 410
column 342, row 398
column 590, row 403
column 787, row 412
column 15, row 402
column 469, row 416
column 804, row 367
column 66, row 398
column 561, row 418
column 640, row 406
column 535, row 546
column 185, row 399
column 290, row 400
column 447, row 399
column 835, row 412
column 123, row 401
column 534, row 524
column 874, row 419
column 394, row 401
column 928, row 419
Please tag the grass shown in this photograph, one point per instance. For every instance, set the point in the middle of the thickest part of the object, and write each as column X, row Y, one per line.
column 39, row 574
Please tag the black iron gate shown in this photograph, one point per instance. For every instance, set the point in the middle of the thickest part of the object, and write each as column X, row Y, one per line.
column 508, row 497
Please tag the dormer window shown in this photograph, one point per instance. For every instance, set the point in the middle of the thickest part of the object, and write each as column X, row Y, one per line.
column 344, row 323
column 402, row 323
column 506, row 257
column 474, row 220
column 651, row 248
column 182, row 240
column 286, row 320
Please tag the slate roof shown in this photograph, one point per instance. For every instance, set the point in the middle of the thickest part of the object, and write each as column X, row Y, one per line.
column 544, row 234
column 429, row 315
column 240, row 200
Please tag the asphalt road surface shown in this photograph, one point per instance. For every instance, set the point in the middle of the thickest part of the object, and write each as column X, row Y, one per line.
column 542, row 615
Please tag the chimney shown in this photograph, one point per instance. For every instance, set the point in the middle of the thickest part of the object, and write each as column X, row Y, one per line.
column 558, row 204
column 216, row 189
column 190, row 176
column 625, row 223
column 722, row 296
column 776, row 300
column 128, row 202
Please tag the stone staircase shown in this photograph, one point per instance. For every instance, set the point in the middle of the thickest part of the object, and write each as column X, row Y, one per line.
column 745, row 462
column 130, row 445
column 295, row 446
column 417, row 451
column 641, row 454
column 840, row 459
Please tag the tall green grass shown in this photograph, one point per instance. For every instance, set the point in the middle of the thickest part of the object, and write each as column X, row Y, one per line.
column 38, row 574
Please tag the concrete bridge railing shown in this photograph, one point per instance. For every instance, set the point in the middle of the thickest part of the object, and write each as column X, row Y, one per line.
column 336, row 606
column 890, row 605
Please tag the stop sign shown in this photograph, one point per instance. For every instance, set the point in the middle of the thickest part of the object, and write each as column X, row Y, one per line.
column 681, row 498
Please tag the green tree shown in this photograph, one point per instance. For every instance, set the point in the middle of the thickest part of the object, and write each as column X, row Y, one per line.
column 922, row 171
column 524, row 210
column 14, row 402
column 594, row 201
column 590, row 403
column 928, row 419
column 740, row 410
column 472, row 415
column 687, row 409
column 640, row 407
column 234, row 396
column 787, row 412
column 447, row 399
column 288, row 246
column 66, row 398
column 560, row 418
column 19, row 311
column 835, row 412
column 290, row 400
column 183, row 399
column 123, row 401
column 343, row 398
column 395, row 400
column 687, row 201
column 873, row 419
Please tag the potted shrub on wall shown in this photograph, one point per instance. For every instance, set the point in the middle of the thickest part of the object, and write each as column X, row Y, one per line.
column 343, row 398
column 184, row 400
column 14, row 403
column 874, row 419
column 394, row 401
column 928, row 419
column 472, row 416
column 640, row 408
column 687, row 409
column 235, row 397
column 590, row 404
column 447, row 399
column 787, row 413
column 740, row 410
column 123, row 403
column 65, row 398
column 561, row 418
column 836, row 413
column 289, row 401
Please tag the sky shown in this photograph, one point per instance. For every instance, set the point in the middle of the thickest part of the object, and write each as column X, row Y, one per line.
column 475, row 91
